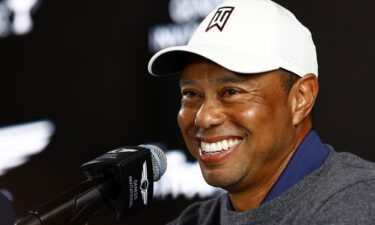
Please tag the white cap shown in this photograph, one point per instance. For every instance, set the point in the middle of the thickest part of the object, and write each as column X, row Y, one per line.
column 245, row 36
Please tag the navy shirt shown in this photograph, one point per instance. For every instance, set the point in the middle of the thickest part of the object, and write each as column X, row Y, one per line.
column 7, row 215
column 308, row 157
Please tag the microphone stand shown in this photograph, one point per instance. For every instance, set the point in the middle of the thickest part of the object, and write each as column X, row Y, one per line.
column 76, row 206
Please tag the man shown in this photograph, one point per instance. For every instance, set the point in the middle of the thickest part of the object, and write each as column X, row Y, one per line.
column 248, row 84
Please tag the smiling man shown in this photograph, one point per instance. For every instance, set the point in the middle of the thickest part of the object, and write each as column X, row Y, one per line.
column 243, row 129
column 249, row 80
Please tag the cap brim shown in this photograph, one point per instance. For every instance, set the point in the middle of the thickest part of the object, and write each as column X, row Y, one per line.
column 171, row 60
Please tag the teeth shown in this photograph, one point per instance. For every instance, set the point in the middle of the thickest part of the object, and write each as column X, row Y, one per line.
column 225, row 144
column 218, row 146
column 212, row 147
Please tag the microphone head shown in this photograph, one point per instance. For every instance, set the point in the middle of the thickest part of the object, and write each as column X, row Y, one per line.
column 159, row 161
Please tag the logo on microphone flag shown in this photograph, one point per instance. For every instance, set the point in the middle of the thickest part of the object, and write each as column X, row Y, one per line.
column 122, row 150
column 144, row 183
column 220, row 18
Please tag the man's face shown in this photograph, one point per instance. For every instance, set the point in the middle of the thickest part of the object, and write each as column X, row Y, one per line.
column 239, row 127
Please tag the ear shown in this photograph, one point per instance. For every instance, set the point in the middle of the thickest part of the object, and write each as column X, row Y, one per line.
column 303, row 94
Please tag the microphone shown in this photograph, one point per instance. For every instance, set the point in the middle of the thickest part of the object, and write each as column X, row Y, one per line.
column 120, row 179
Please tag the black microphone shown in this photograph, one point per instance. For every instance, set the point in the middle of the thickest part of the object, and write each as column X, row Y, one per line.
column 120, row 179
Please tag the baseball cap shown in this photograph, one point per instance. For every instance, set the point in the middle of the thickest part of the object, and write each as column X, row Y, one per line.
column 245, row 36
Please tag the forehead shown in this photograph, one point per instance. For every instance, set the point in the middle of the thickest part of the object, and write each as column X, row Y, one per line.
column 197, row 69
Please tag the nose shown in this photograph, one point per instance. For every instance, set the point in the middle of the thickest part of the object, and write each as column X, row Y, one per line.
column 210, row 114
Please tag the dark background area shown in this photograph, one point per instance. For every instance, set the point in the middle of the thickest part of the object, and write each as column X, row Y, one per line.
column 84, row 67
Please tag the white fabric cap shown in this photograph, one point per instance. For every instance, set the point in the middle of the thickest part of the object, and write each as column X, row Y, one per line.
column 245, row 36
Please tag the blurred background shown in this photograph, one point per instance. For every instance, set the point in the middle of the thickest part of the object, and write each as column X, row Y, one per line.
column 74, row 81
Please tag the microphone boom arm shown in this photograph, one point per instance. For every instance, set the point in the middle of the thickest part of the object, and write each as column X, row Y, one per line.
column 76, row 206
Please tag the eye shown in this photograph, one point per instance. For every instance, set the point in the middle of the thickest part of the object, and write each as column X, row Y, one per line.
column 230, row 92
column 190, row 98
column 189, row 94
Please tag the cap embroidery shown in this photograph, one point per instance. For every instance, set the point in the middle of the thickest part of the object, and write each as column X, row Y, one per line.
column 220, row 18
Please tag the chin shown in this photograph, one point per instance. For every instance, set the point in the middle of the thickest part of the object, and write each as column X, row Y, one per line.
column 228, row 178
column 217, row 183
column 218, row 180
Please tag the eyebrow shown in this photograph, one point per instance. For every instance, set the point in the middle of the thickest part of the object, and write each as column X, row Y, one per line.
column 187, row 82
column 221, row 80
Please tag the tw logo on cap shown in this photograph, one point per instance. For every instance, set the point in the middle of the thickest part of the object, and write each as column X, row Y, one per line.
column 220, row 18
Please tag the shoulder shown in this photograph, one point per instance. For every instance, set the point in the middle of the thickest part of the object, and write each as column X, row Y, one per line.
column 202, row 213
column 349, row 188
column 354, row 204
column 347, row 170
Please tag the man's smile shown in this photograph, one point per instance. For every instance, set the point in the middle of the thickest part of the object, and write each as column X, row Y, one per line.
column 218, row 146
column 214, row 150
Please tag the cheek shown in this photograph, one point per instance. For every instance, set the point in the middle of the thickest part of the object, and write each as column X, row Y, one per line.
column 260, row 117
column 185, row 118
column 260, row 123
column 186, row 122
column 249, row 117
column 247, row 114
column 267, row 128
